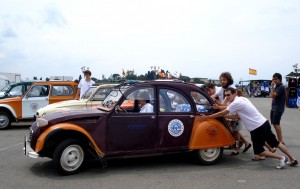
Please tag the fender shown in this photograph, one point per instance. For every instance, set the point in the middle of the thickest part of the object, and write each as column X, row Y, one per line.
column 64, row 126
column 209, row 134
column 12, row 111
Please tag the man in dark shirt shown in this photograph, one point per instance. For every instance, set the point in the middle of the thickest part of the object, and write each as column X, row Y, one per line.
column 278, row 93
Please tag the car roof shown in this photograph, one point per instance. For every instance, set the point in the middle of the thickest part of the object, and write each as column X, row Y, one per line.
column 186, row 87
column 55, row 82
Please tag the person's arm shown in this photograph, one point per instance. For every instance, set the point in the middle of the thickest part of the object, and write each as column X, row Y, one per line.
column 78, row 93
column 217, row 106
column 218, row 114
column 235, row 116
column 273, row 93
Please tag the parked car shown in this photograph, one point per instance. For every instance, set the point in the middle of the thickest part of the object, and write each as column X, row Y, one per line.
column 15, row 89
column 118, row 128
column 38, row 95
column 91, row 98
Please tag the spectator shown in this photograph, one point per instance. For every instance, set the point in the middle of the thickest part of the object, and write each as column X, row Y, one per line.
column 85, row 83
column 278, row 93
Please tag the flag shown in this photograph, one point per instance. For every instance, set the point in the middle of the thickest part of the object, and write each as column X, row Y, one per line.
column 252, row 71
column 176, row 74
column 123, row 72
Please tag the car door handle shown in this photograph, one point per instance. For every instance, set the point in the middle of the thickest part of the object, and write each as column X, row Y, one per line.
column 192, row 116
column 152, row 117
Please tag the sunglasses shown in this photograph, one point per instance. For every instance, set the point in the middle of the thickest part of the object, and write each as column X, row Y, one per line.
column 227, row 94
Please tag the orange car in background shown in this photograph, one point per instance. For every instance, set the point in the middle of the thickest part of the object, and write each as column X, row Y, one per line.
column 40, row 94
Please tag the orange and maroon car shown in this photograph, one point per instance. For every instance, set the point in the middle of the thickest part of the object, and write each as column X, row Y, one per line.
column 118, row 127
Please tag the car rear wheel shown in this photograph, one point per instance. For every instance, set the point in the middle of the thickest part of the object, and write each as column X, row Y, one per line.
column 208, row 156
column 5, row 120
column 68, row 157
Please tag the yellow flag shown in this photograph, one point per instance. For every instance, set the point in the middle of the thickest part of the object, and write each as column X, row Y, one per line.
column 252, row 71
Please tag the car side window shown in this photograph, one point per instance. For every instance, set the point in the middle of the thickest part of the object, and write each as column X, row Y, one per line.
column 202, row 103
column 173, row 101
column 141, row 100
column 39, row 91
column 62, row 90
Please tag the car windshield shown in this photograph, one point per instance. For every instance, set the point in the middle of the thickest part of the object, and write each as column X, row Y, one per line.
column 111, row 99
column 101, row 93
column 6, row 88
column 88, row 93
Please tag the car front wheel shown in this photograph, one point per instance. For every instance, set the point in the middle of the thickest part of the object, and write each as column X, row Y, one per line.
column 68, row 156
column 208, row 156
column 5, row 120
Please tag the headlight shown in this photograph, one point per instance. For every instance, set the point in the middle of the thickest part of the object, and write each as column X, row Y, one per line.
column 41, row 122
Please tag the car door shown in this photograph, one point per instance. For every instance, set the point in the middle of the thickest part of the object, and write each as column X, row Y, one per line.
column 133, row 130
column 175, row 119
column 36, row 98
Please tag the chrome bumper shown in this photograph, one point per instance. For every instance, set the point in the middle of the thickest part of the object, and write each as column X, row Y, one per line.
column 28, row 151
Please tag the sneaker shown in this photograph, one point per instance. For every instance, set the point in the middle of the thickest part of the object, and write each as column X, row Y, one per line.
column 292, row 163
column 282, row 163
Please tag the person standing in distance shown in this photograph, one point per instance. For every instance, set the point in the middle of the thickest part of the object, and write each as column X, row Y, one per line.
column 85, row 83
column 278, row 93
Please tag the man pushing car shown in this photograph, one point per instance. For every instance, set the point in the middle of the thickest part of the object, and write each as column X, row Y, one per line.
column 258, row 126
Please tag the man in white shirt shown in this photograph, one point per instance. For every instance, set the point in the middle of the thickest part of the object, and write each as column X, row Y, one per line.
column 85, row 83
column 258, row 126
column 144, row 99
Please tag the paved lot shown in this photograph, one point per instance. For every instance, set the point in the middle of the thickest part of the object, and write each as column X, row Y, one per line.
column 172, row 171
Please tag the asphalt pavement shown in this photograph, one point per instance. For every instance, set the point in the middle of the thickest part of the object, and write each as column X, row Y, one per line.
column 170, row 171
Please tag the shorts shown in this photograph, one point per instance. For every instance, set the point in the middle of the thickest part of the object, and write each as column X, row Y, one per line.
column 261, row 135
column 275, row 117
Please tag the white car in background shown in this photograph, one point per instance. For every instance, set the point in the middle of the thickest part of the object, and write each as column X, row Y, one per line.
column 91, row 98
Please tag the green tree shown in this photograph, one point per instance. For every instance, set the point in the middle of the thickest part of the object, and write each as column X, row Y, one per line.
column 94, row 79
column 198, row 80
column 185, row 78
column 142, row 77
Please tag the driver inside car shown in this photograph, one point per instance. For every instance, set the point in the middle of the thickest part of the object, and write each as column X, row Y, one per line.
column 144, row 103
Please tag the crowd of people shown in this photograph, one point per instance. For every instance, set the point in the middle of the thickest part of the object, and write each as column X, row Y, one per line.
column 238, row 111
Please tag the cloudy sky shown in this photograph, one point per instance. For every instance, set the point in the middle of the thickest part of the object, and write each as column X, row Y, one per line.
column 198, row 38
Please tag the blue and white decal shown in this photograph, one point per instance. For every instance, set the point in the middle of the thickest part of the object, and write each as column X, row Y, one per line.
column 175, row 127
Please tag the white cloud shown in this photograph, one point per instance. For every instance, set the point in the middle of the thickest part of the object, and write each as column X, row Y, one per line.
column 196, row 38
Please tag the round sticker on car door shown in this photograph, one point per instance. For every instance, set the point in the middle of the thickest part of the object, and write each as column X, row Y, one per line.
column 34, row 106
column 175, row 127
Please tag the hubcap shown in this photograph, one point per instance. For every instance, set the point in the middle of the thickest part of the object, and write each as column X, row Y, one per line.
column 72, row 157
column 3, row 121
column 210, row 154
